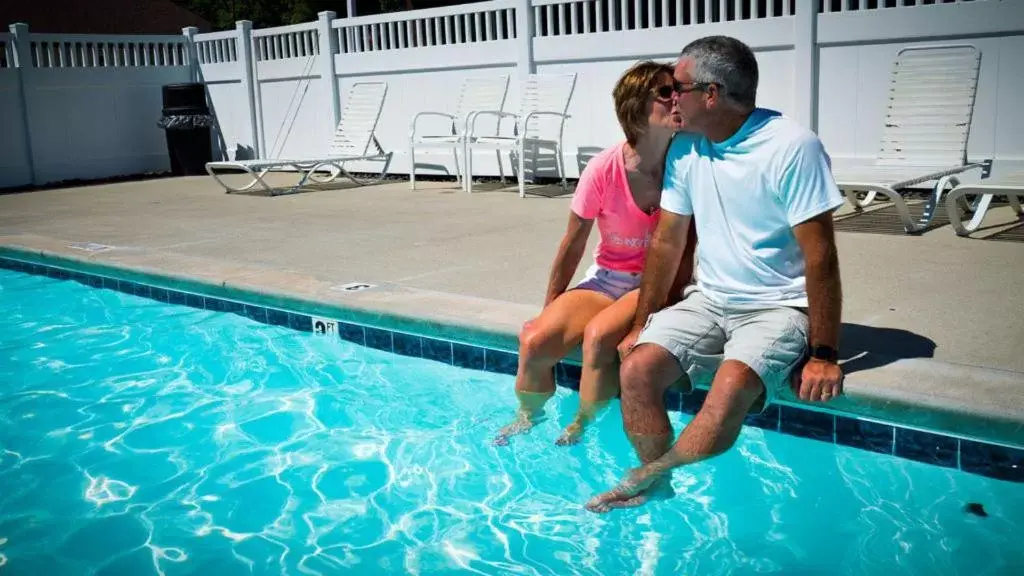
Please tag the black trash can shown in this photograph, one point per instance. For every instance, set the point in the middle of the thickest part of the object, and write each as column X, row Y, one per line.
column 186, row 119
column 188, row 94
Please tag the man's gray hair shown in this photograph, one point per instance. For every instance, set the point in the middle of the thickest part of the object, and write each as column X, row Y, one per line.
column 727, row 62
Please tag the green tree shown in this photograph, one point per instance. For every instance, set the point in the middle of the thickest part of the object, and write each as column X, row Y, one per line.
column 222, row 14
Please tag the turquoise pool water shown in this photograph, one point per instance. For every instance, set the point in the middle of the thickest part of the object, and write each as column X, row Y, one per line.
column 144, row 438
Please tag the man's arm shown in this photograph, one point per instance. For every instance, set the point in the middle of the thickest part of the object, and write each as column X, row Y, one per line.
column 824, row 288
column 668, row 244
column 685, row 272
column 570, row 252
column 810, row 195
column 663, row 265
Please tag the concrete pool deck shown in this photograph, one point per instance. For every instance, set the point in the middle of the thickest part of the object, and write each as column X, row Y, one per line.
column 933, row 324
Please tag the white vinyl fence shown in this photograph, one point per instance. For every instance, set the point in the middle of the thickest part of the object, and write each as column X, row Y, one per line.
column 84, row 107
column 87, row 106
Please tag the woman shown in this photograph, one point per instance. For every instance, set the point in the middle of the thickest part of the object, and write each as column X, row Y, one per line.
column 617, row 190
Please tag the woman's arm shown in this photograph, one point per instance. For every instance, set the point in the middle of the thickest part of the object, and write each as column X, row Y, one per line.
column 570, row 252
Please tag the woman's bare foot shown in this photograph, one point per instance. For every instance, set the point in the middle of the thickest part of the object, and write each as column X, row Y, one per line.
column 530, row 413
column 571, row 435
column 522, row 425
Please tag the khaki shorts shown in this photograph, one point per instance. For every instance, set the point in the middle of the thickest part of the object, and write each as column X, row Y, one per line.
column 772, row 341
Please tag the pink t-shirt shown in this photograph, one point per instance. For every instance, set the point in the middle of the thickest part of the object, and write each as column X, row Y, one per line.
column 603, row 194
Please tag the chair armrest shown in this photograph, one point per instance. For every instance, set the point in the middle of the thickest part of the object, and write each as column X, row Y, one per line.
column 416, row 118
column 544, row 113
column 471, row 118
column 526, row 119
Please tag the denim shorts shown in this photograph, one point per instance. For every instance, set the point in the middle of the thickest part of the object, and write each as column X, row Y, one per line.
column 611, row 283
column 701, row 334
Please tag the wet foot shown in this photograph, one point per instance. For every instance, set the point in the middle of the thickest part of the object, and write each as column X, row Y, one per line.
column 520, row 426
column 637, row 489
column 571, row 435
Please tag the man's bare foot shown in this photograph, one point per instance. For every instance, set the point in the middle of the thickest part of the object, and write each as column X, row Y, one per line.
column 640, row 486
column 571, row 435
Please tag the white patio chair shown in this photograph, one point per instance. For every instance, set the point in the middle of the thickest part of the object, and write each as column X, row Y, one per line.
column 477, row 93
column 1011, row 186
column 543, row 109
column 351, row 142
column 927, row 125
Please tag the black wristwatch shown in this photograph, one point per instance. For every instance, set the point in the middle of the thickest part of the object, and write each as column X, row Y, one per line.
column 822, row 352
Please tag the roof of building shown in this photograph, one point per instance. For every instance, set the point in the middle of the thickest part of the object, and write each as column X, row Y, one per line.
column 101, row 16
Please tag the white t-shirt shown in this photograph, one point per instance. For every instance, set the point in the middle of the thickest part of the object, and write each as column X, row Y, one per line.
column 746, row 193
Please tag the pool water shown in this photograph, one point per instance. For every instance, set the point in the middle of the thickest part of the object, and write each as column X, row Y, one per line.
column 144, row 438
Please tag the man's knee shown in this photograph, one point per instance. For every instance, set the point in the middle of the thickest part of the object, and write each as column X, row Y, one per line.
column 648, row 371
column 766, row 350
column 734, row 390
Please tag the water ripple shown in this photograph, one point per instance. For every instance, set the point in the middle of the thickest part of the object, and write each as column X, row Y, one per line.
column 142, row 438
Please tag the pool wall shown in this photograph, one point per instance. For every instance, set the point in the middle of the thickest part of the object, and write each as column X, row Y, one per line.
column 938, row 449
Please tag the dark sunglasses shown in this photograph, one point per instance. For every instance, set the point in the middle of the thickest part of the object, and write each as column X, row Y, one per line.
column 666, row 92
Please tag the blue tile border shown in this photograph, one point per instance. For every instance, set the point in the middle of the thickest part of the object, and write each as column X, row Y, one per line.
column 807, row 423
column 989, row 460
column 873, row 436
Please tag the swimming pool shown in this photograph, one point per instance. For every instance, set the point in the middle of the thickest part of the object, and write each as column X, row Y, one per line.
column 141, row 436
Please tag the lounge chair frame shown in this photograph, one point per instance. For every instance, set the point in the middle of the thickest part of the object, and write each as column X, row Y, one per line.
column 351, row 142
column 927, row 126
column 1011, row 186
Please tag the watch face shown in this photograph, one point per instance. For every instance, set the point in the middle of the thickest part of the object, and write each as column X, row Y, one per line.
column 823, row 353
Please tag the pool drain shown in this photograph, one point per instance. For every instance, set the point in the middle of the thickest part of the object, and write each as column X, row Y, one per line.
column 89, row 246
column 352, row 287
column 976, row 508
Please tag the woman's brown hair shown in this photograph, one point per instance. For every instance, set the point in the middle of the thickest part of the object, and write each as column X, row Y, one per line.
column 631, row 92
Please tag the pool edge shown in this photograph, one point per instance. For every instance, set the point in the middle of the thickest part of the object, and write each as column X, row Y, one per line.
column 997, row 458
column 249, row 287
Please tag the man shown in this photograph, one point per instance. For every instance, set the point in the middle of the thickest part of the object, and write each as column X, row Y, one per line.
column 760, row 190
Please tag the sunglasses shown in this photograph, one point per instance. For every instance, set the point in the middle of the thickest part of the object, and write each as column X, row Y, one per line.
column 666, row 92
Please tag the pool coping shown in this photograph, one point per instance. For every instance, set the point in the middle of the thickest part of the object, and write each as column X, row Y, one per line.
column 864, row 422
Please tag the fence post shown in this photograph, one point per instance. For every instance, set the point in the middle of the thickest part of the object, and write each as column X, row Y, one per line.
column 23, row 63
column 328, row 44
column 524, row 38
column 247, row 73
column 189, row 32
column 805, row 63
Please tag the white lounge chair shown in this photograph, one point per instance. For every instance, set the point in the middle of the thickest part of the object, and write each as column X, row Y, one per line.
column 477, row 93
column 1011, row 186
column 351, row 142
column 927, row 125
column 543, row 110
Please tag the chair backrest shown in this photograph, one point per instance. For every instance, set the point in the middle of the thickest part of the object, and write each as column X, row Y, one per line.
column 359, row 116
column 931, row 104
column 547, row 93
column 481, row 93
